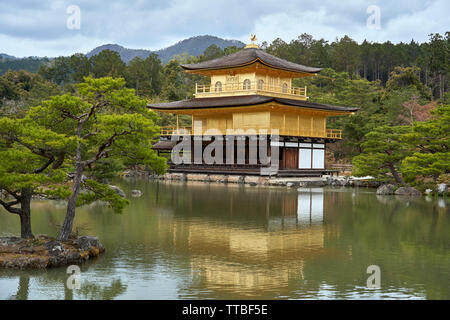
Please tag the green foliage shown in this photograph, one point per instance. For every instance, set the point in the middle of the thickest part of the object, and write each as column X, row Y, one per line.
column 30, row 64
column 117, row 126
column 383, row 151
column 404, row 77
column 212, row 52
column 358, row 72
column 29, row 156
column 431, row 157
column 102, row 127
column 95, row 191
column 420, row 152
column 177, row 85
column 345, row 55
column 107, row 64
column 20, row 90
column 105, row 169
column 421, row 165
column 144, row 76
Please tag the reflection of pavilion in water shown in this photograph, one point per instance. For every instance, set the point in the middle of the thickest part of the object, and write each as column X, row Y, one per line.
column 306, row 209
column 246, row 258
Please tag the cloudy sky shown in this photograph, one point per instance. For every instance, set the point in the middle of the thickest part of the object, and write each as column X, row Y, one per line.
column 40, row 27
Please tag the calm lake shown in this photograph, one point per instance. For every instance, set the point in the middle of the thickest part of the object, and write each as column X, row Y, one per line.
column 213, row 241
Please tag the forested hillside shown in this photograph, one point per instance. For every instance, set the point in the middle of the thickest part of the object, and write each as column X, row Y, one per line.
column 194, row 46
column 394, row 85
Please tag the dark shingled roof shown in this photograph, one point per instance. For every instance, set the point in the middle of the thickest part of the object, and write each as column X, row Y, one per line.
column 237, row 101
column 248, row 56
column 164, row 145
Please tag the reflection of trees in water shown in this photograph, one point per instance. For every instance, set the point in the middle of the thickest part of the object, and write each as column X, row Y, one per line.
column 407, row 237
column 92, row 291
column 23, row 288
column 88, row 291
column 55, row 281
column 237, row 204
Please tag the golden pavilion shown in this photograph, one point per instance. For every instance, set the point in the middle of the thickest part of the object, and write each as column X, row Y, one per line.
column 250, row 95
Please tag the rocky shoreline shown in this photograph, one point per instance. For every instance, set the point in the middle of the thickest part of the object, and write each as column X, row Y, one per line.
column 46, row 252
column 332, row 181
column 293, row 182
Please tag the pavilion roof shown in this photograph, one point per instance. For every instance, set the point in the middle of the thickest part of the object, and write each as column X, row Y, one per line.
column 248, row 56
column 240, row 101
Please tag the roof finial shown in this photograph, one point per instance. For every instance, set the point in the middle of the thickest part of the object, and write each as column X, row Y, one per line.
column 252, row 39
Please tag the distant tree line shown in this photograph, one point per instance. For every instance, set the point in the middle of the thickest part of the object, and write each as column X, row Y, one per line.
column 392, row 84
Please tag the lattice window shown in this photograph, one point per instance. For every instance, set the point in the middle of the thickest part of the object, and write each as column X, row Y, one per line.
column 218, row 86
column 247, row 84
column 260, row 84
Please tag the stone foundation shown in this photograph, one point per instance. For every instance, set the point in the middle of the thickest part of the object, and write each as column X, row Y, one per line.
column 273, row 181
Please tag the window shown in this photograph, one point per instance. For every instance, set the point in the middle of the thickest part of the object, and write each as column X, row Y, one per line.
column 247, row 84
column 260, row 84
column 285, row 87
column 218, row 87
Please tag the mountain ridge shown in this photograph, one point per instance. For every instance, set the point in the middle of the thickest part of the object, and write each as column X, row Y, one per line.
column 193, row 46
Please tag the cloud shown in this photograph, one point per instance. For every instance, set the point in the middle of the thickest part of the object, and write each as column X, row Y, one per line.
column 39, row 28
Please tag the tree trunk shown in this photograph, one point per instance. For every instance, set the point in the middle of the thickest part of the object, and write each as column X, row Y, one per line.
column 395, row 174
column 25, row 217
column 66, row 228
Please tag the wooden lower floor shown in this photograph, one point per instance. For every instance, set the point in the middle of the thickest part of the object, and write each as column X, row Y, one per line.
column 240, row 155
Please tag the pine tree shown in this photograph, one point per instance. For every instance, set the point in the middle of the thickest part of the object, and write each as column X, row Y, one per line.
column 108, row 121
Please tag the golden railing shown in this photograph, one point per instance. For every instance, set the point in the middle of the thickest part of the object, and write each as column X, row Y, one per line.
column 169, row 131
column 329, row 133
column 334, row 133
column 248, row 87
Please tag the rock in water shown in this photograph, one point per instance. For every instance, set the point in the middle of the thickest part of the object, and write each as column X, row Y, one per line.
column 408, row 191
column 442, row 189
column 386, row 189
column 118, row 191
column 136, row 193
column 85, row 242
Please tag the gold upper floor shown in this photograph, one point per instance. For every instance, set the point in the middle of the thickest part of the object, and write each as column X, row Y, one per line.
column 255, row 79
column 270, row 118
column 248, row 87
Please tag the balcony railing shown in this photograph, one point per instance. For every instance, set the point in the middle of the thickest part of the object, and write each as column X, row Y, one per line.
column 329, row 133
column 250, row 87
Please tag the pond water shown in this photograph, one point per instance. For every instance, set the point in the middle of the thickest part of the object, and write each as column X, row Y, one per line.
column 213, row 241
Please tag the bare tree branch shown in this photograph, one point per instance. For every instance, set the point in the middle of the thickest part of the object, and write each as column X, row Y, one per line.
column 45, row 166
column 59, row 161
column 101, row 150
column 9, row 206
column 90, row 134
